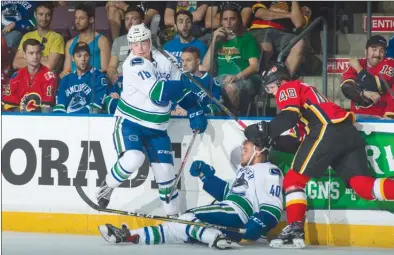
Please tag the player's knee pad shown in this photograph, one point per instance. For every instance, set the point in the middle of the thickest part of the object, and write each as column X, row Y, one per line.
column 363, row 186
column 294, row 181
column 132, row 160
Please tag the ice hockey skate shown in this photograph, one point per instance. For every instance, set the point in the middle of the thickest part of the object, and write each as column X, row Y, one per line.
column 292, row 236
column 222, row 243
column 113, row 234
column 104, row 195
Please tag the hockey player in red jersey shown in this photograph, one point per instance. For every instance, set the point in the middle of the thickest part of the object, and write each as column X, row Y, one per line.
column 31, row 88
column 362, row 82
column 331, row 140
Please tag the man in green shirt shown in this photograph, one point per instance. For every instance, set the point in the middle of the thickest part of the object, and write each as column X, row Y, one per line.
column 237, row 58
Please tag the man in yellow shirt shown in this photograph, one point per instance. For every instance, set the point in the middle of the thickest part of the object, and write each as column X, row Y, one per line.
column 52, row 43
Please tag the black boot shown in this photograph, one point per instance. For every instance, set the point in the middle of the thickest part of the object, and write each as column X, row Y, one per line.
column 292, row 236
column 113, row 234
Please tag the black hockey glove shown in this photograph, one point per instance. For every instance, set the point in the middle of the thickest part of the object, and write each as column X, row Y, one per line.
column 259, row 134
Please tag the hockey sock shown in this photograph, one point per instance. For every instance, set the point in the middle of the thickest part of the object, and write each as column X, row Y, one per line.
column 150, row 235
column 383, row 189
column 165, row 179
column 117, row 176
column 296, row 203
column 130, row 161
column 363, row 186
column 205, row 235
column 170, row 232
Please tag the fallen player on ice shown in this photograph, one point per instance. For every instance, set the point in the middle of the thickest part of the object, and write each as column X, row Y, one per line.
column 253, row 201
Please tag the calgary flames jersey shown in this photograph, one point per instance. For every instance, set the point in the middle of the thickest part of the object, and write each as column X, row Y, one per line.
column 384, row 105
column 313, row 108
column 28, row 92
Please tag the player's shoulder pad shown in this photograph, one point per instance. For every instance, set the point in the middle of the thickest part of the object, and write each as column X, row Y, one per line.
column 136, row 61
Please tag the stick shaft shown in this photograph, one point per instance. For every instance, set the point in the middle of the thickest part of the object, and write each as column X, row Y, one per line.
column 168, row 198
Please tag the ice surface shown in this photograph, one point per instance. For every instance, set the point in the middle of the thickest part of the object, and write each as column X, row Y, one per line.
column 55, row 244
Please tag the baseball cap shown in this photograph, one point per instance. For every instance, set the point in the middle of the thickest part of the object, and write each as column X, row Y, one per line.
column 81, row 46
column 376, row 39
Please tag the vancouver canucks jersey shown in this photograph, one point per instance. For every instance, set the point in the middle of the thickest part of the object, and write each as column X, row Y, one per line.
column 78, row 94
column 256, row 188
column 139, row 76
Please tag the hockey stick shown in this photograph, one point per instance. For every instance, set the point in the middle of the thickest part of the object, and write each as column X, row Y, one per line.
column 200, row 86
column 387, row 86
column 96, row 207
column 182, row 166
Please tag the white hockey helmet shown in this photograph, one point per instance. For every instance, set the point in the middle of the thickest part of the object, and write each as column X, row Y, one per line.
column 139, row 33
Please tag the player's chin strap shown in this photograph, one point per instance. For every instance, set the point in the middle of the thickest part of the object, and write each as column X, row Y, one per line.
column 255, row 152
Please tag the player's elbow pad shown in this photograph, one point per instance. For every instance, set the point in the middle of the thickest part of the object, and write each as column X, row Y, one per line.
column 165, row 91
column 215, row 187
column 353, row 92
column 282, row 122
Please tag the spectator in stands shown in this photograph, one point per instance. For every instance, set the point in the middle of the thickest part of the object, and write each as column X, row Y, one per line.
column 212, row 18
column 99, row 45
column 5, row 66
column 33, row 87
column 116, row 13
column 120, row 47
column 190, row 62
column 390, row 48
column 16, row 19
column 83, row 90
column 152, row 8
column 5, row 59
column 183, row 24
column 196, row 8
column 274, row 26
column 52, row 43
column 237, row 59
column 362, row 82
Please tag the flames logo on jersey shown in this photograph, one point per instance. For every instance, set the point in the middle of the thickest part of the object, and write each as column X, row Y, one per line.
column 30, row 102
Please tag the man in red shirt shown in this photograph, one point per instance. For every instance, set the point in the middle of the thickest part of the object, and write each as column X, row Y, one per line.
column 32, row 88
column 331, row 140
column 362, row 82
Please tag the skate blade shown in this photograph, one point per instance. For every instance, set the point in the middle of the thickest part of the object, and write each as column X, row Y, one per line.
column 278, row 244
column 103, row 229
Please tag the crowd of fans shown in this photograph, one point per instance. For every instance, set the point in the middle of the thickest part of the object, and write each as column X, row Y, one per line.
column 225, row 45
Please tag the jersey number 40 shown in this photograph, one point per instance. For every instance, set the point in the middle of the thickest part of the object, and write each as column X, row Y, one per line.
column 275, row 190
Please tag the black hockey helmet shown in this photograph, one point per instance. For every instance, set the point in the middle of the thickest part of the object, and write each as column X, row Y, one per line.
column 275, row 73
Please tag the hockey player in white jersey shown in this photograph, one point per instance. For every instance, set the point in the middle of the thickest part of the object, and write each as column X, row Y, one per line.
column 253, row 201
column 142, row 117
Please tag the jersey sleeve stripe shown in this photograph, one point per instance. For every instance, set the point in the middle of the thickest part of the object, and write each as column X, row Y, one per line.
column 226, row 189
column 348, row 80
column 378, row 84
column 293, row 109
column 60, row 108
